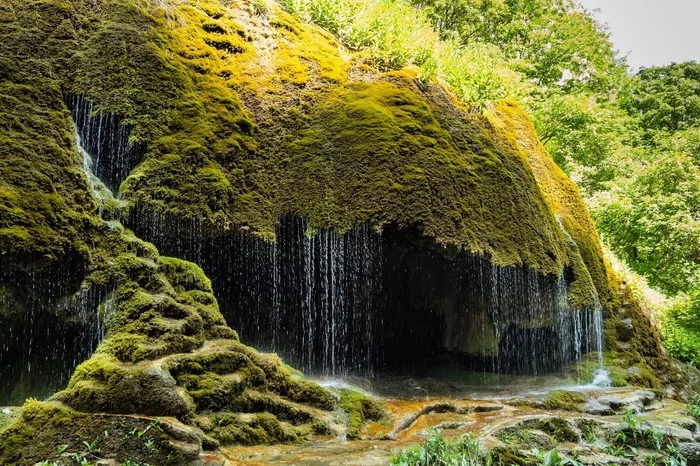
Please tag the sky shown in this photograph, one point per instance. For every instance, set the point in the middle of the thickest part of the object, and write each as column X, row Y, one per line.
column 655, row 32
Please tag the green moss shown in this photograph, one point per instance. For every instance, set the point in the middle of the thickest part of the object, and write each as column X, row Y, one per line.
column 7, row 419
column 359, row 409
column 260, row 429
column 591, row 278
column 558, row 428
column 563, row 399
column 44, row 427
column 301, row 44
column 102, row 384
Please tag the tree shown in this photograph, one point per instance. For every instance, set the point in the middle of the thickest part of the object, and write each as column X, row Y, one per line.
column 665, row 98
column 652, row 220
column 554, row 43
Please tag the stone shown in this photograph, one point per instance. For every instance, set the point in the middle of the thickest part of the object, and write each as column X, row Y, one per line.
column 635, row 400
column 597, row 408
column 691, row 452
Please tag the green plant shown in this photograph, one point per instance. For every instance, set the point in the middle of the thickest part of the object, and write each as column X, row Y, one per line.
column 260, row 8
column 436, row 451
column 613, row 450
column 90, row 446
column 553, row 458
column 150, row 444
column 673, row 457
column 81, row 460
column 591, row 437
column 129, row 462
column 632, row 420
column 397, row 35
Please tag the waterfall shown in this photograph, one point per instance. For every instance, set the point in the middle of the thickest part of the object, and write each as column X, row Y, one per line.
column 593, row 323
column 107, row 156
column 49, row 322
column 355, row 303
column 48, row 327
column 105, row 144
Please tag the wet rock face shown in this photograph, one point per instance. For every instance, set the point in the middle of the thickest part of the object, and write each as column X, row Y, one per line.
column 365, row 300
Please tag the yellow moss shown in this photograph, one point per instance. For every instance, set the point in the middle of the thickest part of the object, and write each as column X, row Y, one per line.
column 301, row 47
column 585, row 254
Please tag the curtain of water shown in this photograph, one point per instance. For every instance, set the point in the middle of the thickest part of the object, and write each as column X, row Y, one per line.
column 105, row 144
column 354, row 303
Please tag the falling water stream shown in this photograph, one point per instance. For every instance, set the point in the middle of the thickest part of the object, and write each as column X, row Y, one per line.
column 368, row 301
column 50, row 324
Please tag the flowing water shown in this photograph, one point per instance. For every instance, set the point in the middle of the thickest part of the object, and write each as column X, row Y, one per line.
column 369, row 301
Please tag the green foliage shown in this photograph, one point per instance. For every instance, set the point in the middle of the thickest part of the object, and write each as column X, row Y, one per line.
column 636, row 434
column 651, row 218
column 664, row 98
column 582, row 136
column 436, row 451
column 694, row 406
column 553, row 458
column 551, row 43
column 395, row 35
column 680, row 328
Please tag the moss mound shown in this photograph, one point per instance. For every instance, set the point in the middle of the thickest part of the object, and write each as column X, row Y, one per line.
column 563, row 399
column 59, row 434
column 167, row 353
column 360, row 409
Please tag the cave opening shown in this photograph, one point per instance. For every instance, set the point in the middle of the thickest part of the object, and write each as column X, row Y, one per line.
column 366, row 302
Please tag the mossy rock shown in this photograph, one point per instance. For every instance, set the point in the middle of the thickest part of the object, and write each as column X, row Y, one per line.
column 558, row 428
column 104, row 385
column 52, row 431
column 8, row 415
column 565, row 400
column 360, row 409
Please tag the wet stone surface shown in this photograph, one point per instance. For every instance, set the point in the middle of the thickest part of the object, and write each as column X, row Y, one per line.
column 628, row 426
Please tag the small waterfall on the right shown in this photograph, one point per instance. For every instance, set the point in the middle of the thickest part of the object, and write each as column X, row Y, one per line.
column 590, row 319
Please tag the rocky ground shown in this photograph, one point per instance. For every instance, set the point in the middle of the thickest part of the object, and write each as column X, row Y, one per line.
column 593, row 426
